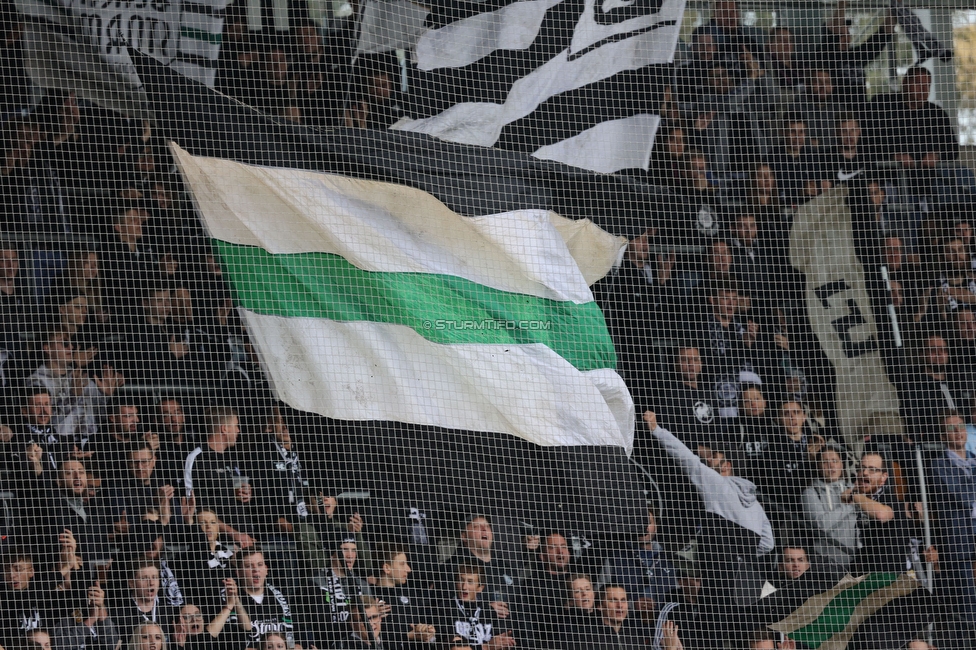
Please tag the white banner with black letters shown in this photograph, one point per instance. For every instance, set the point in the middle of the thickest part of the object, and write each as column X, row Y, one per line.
column 182, row 34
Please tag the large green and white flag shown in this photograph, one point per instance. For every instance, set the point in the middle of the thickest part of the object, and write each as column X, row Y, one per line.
column 374, row 301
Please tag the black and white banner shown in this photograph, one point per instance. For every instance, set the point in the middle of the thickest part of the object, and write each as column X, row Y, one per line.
column 566, row 80
column 183, row 34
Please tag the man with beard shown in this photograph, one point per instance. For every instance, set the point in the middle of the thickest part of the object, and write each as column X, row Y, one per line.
column 545, row 592
column 33, row 452
column 930, row 393
column 887, row 543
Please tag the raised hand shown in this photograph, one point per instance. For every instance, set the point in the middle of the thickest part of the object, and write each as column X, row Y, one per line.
column 110, row 381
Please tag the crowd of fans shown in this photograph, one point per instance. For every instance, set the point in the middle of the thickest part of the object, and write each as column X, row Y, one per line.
column 149, row 519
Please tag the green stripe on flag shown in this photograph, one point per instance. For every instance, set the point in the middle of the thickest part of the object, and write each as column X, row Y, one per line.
column 837, row 613
column 201, row 35
column 441, row 308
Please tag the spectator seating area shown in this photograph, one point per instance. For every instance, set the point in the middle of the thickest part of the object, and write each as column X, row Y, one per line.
column 154, row 492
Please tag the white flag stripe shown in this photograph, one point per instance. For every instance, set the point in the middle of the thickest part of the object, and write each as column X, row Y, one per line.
column 200, row 73
column 383, row 227
column 202, row 22
column 513, row 27
column 607, row 147
column 482, row 123
column 387, row 26
column 189, row 45
column 372, row 371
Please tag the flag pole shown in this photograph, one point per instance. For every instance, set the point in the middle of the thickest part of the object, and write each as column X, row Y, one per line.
column 926, row 523
column 892, row 314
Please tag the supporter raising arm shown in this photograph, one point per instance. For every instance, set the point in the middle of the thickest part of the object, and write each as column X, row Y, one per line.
column 734, row 530
column 726, row 496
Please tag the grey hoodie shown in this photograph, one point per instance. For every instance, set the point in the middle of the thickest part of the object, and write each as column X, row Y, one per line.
column 836, row 520
column 731, row 497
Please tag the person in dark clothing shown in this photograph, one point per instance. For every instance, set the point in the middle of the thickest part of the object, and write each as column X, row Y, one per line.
column 214, row 477
column 732, row 342
column 646, row 571
column 192, row 631
column 28, row 600
column 788, row 463
column 912, row 131
column 581, row 618
column 682, row 617
column 954, row 482
column 176, row 440
column 929, row 393
column 784, row 67
column 367, row 627
column 32, row 456
column 31, row 601
column 262, row 608
column 407, row 622
column 890, row 545
column 545, row 593
column 796, row 165
column 752, row 432
column 378, row 105
column 332, row 593
column 142, row 492
column 69, row 513
column 278, row 477
column 634, row 299
column 732, row 346
column 847, row 63
column 850, row 155
column 128, row 262
column 617, row 629
column 158, row 352
column 204, row 565
column 15, row 308
column 732, row 43
column 467, row 619
column 142, row 601
column 477, row 547
column 686, row 403
column 110, row 447
column 795, row 580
